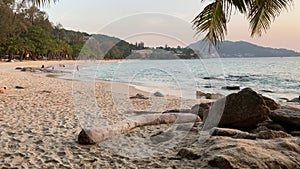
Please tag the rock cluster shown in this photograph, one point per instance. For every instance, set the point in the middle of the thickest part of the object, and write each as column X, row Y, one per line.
column 240, row 110
column 247, row 110
column 247, row 130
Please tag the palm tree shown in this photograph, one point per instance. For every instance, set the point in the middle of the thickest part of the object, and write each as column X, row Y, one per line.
column 214, row 17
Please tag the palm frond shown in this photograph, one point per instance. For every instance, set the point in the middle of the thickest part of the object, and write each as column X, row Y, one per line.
column 241, row 5
column 213, row 21
column 263, row 12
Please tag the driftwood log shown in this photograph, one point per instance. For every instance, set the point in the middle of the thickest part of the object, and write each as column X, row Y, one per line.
column 93, row 135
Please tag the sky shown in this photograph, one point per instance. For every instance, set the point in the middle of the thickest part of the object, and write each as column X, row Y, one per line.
column 160, row 22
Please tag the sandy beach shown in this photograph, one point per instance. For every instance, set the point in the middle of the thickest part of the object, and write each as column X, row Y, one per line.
column 39, row 128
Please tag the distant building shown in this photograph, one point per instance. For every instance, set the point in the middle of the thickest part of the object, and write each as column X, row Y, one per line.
column 144, row 53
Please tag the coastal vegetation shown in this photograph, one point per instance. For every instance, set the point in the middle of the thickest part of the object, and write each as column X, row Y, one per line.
column 27, row 33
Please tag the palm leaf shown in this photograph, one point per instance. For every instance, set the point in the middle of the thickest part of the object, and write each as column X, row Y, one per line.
column 264, row 12
column 213, row 21
column 241, row 5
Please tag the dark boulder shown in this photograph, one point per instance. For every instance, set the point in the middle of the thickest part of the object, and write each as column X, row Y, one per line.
column 231, row 88
column 242, row 110
column 287, row 116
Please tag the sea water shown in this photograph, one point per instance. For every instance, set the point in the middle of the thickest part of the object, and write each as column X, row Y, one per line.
column 274, row 77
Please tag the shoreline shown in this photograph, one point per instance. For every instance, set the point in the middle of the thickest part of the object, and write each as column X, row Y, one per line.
column 70, row 67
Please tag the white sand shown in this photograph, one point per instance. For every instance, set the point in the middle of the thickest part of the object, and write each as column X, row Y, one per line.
column 38, row 126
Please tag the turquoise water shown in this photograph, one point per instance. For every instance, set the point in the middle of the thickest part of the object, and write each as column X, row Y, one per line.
column 184, row 77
